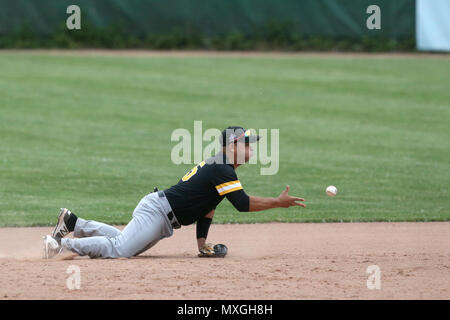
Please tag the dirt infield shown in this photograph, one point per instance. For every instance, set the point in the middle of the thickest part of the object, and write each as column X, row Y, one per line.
column 265, row 261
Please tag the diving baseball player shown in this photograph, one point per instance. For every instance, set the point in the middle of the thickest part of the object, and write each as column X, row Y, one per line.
column 193, row 199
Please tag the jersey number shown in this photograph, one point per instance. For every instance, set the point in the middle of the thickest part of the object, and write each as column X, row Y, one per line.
column 188, row 175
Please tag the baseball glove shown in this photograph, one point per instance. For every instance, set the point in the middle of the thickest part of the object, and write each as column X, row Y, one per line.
column 210, row 250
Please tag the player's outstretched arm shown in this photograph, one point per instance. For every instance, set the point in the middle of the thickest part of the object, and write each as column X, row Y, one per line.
column 284, row 200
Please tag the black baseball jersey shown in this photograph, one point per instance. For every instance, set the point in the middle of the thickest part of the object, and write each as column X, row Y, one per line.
column 204, row 187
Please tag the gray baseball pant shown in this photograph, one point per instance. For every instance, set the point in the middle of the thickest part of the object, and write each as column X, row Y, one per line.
column 148, row 225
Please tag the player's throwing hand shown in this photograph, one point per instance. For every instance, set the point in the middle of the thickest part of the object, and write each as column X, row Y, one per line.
column 287, row 201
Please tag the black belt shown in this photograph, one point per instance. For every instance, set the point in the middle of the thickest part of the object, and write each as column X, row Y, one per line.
column 170, row 214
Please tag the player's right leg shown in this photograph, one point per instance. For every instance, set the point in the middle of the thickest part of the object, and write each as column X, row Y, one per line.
column 141, row 233
column 150, row 223
column 65, row 225
column 69, row 222
column 91, row 228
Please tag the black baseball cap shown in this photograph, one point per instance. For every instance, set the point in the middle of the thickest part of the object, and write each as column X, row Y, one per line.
column 234, row 134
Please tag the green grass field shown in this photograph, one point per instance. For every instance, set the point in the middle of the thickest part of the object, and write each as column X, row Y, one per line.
column 92, row 133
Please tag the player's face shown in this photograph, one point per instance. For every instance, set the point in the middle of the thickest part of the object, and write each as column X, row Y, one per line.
column 243, row 152
column 248, row 152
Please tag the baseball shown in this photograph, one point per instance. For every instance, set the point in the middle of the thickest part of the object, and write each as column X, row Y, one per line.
column 331, row 191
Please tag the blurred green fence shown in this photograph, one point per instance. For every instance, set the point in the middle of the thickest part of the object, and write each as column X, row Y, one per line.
column 281, row 20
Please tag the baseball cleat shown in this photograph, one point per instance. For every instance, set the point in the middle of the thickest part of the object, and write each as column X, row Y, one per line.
column 61, row 229
column 51, row 247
